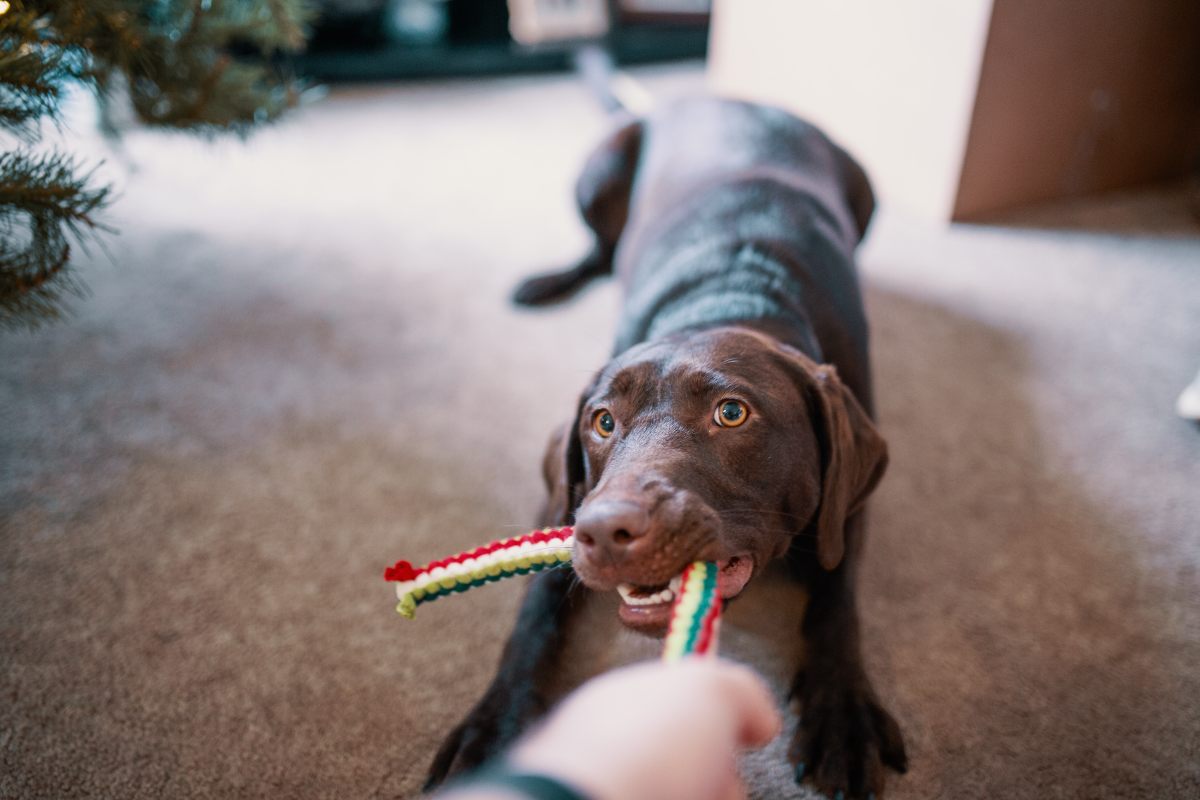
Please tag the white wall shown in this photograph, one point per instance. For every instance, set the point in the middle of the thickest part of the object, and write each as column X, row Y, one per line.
column 893, row 82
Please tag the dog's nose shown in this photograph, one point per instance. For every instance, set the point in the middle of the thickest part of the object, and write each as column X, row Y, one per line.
column 611, row 526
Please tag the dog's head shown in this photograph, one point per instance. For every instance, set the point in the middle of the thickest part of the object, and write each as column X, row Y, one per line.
column 722, row 445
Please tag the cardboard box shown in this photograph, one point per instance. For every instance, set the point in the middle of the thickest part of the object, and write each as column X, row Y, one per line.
column 964, row 108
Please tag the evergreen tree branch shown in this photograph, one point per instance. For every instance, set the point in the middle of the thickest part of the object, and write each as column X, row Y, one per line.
column 32, row 74
column 45, row 205
column 178, row 58
column 200, row 65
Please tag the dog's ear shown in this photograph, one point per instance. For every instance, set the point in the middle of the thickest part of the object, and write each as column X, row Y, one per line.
column 853, row 455
column 564, row 472
column 859, row 195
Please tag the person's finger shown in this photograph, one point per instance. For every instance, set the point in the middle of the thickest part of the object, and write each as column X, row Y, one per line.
column 758, row 719
column 734, row 788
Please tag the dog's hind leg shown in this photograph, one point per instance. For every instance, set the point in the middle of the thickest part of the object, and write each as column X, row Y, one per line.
column 551, row 287
column 602, row 192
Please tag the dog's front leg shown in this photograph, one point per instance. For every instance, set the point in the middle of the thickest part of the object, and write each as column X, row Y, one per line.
column 845, row 737
column 514, row 699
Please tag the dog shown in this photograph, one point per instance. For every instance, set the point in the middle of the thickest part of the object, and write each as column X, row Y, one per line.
column 733, row 423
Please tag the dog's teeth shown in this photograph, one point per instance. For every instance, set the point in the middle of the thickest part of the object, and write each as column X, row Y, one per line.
column 676, row 584
column 651, row 600
column 629, row 594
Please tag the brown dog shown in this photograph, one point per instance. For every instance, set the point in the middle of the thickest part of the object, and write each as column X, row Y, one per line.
column 733, row 423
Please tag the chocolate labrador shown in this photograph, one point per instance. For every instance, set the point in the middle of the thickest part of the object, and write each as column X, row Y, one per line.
column 733, row 423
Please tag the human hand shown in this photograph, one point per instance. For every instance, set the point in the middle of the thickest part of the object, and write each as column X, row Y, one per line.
column 655, row 732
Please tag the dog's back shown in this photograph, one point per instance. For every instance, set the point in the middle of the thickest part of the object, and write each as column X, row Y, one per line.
column 745, row 214
column 702, row 141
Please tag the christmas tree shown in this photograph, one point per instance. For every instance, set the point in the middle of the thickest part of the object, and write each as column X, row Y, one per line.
column 202, row 65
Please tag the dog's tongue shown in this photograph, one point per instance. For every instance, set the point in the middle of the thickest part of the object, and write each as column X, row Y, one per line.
column 732, row 576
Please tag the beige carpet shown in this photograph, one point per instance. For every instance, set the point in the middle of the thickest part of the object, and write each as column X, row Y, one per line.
column 299, row 365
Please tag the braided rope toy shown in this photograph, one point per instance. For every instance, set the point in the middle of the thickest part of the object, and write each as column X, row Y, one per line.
column 695, row 614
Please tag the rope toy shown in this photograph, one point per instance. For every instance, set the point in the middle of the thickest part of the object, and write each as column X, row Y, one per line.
column 695, row 614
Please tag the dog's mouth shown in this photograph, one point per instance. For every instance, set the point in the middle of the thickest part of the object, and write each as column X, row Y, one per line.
column 648, row 608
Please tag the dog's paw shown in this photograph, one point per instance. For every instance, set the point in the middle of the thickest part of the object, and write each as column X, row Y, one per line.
column 551, row 287
column 444, row 761
column 843, row 743
column 476, row 739
column 540, row 290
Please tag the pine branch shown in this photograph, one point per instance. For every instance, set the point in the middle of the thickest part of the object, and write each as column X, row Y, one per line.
column 32, row 74
column 200, row 65
column 178, row 56
column 45, row 205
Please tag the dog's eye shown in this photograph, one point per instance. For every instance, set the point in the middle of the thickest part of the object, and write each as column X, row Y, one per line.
column 731, row 413
column 603, row 423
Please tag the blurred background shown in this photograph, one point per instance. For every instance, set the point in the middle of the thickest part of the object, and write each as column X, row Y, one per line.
column 257, row 344
column 372, row 39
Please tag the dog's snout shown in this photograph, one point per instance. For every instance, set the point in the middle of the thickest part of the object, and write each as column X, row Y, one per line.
column 611, row 526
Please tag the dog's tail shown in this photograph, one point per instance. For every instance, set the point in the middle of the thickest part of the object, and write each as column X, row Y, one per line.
column 618, row 93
